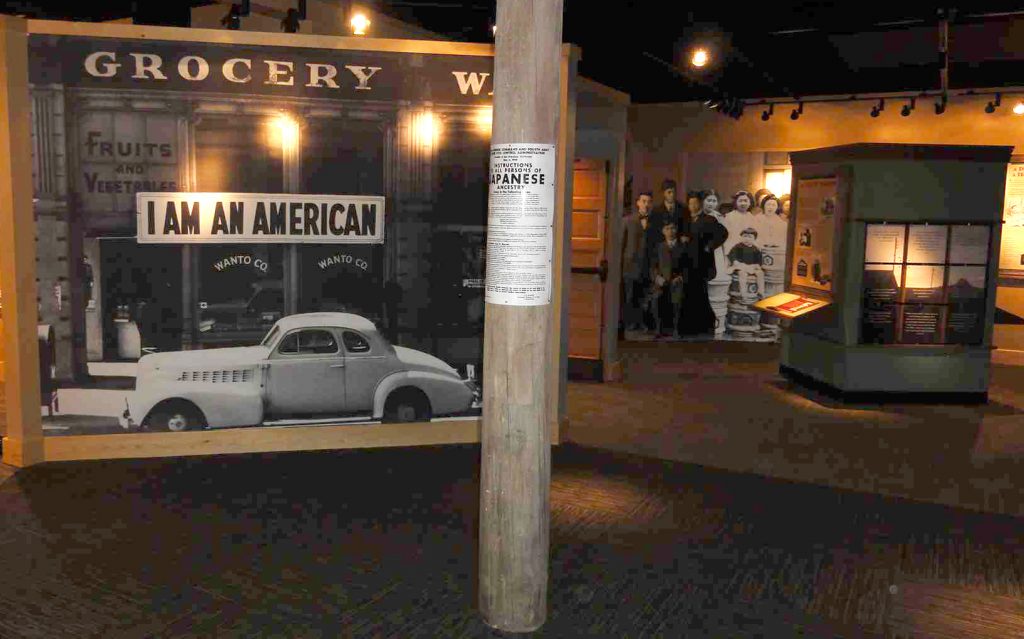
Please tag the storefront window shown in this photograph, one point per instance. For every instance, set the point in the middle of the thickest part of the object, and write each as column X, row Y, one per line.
column 241, row 287
column 342, row 157
column 141, row 288
column 236, row 154
column 241, row 292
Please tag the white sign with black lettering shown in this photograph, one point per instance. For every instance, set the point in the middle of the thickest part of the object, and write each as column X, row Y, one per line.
column 521, row 209
column 524, row 254
column 258, row 218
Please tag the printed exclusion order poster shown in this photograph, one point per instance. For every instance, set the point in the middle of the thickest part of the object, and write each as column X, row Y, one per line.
column 521, row 209
column 815, row 230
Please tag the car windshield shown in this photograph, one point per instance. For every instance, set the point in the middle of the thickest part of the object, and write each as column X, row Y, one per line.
column 271, row 336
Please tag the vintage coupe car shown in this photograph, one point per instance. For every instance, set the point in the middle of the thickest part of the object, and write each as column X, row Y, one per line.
column 309, row 367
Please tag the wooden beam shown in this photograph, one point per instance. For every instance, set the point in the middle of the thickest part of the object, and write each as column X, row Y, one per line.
column 516, row 451
column 23, row 443
column 260, row 439
column 561, row 260
column 257, row 38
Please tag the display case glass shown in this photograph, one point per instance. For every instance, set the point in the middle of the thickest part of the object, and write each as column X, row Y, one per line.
column 924, row 283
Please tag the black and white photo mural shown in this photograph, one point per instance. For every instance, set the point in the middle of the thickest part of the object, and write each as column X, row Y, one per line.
column 252, row 235
column 695, row 262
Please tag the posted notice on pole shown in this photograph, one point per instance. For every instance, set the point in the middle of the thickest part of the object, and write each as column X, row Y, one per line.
column 521, row 210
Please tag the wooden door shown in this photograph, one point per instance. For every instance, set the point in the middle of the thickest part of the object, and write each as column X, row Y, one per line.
column 589, row 266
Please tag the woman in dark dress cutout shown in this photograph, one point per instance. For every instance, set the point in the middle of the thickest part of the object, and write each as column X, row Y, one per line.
column 707, row 235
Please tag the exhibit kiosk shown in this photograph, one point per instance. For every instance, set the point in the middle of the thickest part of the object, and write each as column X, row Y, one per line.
column 890, row 286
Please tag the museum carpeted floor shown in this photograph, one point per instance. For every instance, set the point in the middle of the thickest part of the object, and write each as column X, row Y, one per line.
column 724, row 405
column 382, row 543
column 772, row 512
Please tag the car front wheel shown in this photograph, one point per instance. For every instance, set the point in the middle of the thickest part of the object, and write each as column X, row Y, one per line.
column 407, row 405
column 176, row 417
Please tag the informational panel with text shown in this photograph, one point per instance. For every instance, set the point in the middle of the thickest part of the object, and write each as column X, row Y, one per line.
column 1011, row 251
column 815, row 226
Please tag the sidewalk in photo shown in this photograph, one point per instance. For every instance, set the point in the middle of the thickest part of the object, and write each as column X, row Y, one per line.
column 724, row 405
column 113, row 369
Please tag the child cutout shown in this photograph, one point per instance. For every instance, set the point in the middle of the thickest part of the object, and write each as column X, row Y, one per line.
column 745, row 259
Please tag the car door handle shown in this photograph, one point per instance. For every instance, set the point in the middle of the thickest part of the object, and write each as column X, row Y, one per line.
column 337, row 366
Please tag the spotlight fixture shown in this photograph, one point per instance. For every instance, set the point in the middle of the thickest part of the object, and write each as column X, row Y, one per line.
column 940, row 104
column 233, row 19
column 878, row 108
column 293, row 18
column 1018, row 109
column 909, row 107
column 797, row 112
column 733, row 108
column 768, row 113
column 994, row 104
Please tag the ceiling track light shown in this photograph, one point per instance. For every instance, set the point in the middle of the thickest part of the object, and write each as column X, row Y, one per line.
column 994, row 104
column 909, row 107
column 797, row 112
column 233, row 19
column 768, row 113
column 878, row 108
column 940, row 104
column 735, row 110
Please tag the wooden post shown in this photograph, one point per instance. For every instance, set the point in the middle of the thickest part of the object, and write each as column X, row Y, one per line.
column 516, row 433
column 23, row 443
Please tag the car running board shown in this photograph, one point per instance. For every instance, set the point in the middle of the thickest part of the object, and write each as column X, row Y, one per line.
column 365, row 419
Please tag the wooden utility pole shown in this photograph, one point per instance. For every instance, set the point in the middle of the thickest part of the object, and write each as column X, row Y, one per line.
column 516, row 436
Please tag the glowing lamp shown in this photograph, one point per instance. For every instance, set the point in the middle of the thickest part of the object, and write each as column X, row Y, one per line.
column 284, row 130
column 359, row 24
column 426, row 128
column 700, row 58
column 483, row 120
column 778, row 181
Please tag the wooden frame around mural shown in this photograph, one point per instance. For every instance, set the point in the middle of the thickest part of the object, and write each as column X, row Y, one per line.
column 23, row 442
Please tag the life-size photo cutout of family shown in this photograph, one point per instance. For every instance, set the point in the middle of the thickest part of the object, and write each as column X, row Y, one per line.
column 692, row 272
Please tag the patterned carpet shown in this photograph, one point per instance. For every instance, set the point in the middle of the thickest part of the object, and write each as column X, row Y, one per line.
column 382, row 543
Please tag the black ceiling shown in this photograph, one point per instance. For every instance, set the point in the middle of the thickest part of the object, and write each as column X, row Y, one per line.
column 767, row 49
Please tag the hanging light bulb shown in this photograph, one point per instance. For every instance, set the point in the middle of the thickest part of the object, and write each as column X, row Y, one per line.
column 700, row 58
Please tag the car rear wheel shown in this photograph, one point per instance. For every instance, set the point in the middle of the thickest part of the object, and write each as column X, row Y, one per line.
column 407, row 405
column 175, row 417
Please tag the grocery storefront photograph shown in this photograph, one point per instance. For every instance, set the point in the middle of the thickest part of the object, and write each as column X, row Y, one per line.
column 237, row 236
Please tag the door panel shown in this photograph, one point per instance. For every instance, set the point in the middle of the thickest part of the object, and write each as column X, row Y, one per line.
column 306, row 374
column 307, row 386
column 367, row 362
column 586, row 293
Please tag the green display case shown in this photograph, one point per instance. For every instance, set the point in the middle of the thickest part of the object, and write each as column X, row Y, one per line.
column 902, row 240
